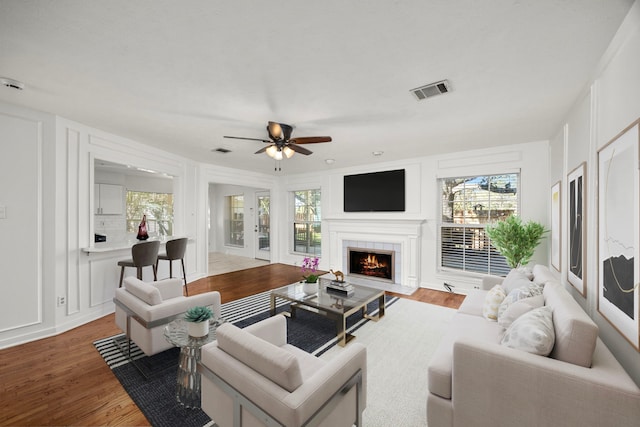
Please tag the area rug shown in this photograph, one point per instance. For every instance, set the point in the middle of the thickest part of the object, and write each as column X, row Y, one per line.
column 155, row 396
column 399, row 348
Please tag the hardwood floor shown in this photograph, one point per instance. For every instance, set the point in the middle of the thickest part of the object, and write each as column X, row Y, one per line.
column 63, row 380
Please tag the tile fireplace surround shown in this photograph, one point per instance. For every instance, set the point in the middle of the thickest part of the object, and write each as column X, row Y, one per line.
column 401, row 236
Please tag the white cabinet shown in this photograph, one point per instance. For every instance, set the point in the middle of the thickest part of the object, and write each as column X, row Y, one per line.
column 108, row 199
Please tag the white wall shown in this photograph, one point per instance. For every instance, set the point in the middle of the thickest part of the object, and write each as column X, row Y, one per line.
column 27, row 196
column 610, row 102
column 47, row 175
column 423, row 201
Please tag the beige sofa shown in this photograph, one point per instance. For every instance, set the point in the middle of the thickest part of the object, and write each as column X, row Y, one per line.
column 474, row 380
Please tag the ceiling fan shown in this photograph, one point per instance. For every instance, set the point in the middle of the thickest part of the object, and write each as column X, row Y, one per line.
column 281, row 144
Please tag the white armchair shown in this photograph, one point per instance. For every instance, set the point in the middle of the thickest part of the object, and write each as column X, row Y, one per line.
column 252, row 377
column 143, row 309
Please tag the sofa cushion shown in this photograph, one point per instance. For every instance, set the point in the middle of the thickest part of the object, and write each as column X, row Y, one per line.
column 515, row 279
column 473, row 303
column 532, row 332
column 492, row 303
column 542, row 274
column 519, row 308
column 273, row 362
column 144, row 291
column 441, row 364
column 170, row 288
column 576, row 333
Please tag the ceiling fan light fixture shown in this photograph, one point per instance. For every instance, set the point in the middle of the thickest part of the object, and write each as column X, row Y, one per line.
column 288, row 152
column 278, row 155
column 271, row 151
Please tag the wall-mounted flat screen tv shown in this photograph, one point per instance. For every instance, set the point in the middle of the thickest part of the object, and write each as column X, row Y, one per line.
column 375, row 192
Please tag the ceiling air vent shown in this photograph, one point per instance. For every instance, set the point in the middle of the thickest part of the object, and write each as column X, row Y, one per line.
column 10, row 83
column 221, row 150
column 433, row 89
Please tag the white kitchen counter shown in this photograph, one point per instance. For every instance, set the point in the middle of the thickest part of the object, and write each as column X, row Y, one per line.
column 118, row 245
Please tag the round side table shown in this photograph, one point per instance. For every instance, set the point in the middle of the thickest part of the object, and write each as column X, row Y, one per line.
column 188, row 381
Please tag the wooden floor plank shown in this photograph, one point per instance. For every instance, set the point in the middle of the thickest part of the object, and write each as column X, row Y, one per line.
column 63, row 380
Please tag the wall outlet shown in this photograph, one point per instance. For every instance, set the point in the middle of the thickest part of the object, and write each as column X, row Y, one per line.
column 61, row 301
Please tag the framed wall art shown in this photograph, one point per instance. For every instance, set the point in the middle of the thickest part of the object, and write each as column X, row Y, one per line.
column 618, row 232
column 555, row 226
column 576, row 225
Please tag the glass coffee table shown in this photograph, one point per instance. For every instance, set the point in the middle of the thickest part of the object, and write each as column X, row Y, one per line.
column 330, row 304
column 188, row 380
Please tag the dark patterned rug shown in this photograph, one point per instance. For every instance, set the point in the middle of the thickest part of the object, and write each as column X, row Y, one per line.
column 155, row 395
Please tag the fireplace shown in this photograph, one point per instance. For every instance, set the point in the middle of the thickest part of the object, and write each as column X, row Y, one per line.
column 371, row 263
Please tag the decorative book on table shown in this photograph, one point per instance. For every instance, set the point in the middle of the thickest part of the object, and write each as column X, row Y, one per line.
column 340, row 288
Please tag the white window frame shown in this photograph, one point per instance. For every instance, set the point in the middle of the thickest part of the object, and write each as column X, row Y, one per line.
column 294, row 221
column 478, row 237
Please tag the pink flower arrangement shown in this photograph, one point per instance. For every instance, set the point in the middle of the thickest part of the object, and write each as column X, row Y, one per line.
column 310, row 265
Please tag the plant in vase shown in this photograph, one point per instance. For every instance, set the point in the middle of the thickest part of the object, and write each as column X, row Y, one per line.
column 198, row 320
column 516, row 241
column 310, row 280
column 310, row 265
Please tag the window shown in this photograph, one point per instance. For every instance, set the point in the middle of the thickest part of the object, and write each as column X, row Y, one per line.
column 235, row 224
column 158, row 207
column 468, row 205
column 307, row 236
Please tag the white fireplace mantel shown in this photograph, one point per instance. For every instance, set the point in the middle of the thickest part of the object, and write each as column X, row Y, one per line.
column 405, row 233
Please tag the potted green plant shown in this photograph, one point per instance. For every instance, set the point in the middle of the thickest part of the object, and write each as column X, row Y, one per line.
column 198, row 320
column 515, row 240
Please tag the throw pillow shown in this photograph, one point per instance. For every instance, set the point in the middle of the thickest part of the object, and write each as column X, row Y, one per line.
column 492, row 303
column 527, row 291
column 144, row 291
column 532, row 332
column 515, row 279
column 519, row 308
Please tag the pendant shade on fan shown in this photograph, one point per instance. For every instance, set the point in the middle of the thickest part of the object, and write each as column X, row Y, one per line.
column 278, row 153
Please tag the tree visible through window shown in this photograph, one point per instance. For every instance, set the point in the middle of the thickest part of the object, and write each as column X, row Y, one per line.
column 158, row 207
column 307, row 233
column 235, row 228
column 468, row 204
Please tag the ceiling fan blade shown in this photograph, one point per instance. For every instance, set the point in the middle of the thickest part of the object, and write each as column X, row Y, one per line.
column 299, row 149
column 262, row 150
column 248, row 139
column 311, row 139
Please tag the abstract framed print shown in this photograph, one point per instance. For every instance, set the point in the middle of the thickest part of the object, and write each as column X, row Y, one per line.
column 618, row 232
column 576, row 228
column 555, row 225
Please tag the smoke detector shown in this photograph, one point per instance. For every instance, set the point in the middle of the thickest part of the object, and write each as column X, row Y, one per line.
column 430, row 90
column 10, row 83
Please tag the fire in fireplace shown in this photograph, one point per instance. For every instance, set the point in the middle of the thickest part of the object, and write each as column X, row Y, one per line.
column 371, row 263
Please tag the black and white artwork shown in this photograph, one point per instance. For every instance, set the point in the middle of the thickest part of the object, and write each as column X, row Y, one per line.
column 576, row 228
column 555, row 225
column 618, row 232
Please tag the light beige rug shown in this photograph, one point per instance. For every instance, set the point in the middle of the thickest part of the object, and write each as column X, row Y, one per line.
column 399, row 348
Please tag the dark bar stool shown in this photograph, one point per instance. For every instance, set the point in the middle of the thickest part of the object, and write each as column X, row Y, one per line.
column 175, row 251
column 144, row 254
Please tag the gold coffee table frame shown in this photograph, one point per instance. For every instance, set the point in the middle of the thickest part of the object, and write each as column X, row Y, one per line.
column 329, row 304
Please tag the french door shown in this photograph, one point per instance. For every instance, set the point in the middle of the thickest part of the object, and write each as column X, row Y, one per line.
column 262, row 226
